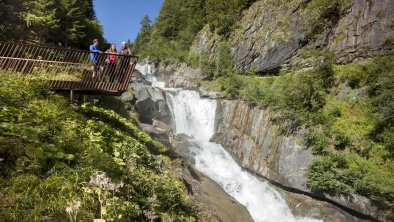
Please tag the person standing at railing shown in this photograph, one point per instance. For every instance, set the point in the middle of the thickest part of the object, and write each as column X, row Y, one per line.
column 94, row 57
column 110, row 62
column 124, row 61
column 124, row 50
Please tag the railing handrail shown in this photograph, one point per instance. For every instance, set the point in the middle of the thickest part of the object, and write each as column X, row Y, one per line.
column 67, row 49
column 70, row 69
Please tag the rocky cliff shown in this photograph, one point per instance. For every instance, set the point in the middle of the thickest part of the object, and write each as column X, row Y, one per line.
column 258, row 145
column 271, row 33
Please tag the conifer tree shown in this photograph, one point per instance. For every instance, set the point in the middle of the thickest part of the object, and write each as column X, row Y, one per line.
column 40, row 17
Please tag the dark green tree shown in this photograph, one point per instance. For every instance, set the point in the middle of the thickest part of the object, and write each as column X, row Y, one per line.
column 145, row 22
column 72, row 21
column 12, row 25
column 40, row 17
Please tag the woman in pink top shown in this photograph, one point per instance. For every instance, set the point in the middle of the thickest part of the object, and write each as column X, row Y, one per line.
column 111, row 62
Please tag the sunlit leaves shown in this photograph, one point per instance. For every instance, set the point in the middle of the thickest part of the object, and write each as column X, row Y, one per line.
column 49, row 150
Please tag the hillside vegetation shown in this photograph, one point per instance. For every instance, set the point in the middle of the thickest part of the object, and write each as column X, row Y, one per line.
column 179, row 22
column 81, row 162
column 170, row 37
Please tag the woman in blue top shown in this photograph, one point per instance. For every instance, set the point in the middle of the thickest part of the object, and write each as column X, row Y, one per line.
column 94, row 57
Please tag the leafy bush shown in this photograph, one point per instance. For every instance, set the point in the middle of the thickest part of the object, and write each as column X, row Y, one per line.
column 224, row 62
column 343, row 173
column 232, row 85
column 318, row 140
column 389, row 41
column 360, row 128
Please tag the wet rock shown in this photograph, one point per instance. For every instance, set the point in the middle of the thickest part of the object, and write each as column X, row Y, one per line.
column 182, row 146
column 150, row 103
column 359, row 204
column 256, row 143
column 213, row 199
column 305, row 206
column 137, row 77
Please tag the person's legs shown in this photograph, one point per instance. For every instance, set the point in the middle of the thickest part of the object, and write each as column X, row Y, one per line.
column 94, row 69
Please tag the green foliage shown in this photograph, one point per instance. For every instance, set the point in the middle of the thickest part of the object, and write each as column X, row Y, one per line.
column 377, row 76
column 224, row 62
column 299, row 95
column 232, row 85
column 40, row 17
column 145, row 23
column 50, row 153
column 223, row 14
column 347, row 174
column 202, row 62
column 389, row 41
column 12, row 26
column 358, row 132
column 71, row 23
column 318, row 141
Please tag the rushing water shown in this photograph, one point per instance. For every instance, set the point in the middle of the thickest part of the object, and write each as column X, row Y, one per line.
column 196, row 117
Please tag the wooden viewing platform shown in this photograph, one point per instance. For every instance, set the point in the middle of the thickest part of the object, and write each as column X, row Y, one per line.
column 69, row 69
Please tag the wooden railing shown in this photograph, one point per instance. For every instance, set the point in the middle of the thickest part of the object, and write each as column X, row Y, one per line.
column 70, row 69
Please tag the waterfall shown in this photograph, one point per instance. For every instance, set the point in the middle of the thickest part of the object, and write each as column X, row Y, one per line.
column 196, row 117
column 147, row 71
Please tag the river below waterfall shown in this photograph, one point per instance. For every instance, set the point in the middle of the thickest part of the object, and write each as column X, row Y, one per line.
column 195, row 117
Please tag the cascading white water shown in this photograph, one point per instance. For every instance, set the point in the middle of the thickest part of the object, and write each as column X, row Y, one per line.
column 147, row 71
column 195, row 117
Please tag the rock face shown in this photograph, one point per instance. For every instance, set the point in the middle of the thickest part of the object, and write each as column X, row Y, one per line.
column 364, row 30
column 269, row 34
column 178, row 76
column 255, row 142
column 151, row 104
